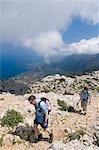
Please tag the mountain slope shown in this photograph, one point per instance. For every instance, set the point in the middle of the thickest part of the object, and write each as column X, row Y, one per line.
column 73, row 64
column 80, row 63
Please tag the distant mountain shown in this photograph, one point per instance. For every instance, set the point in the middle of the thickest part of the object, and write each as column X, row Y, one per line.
column 79, row 63
column 72, row 64
column 16, row 60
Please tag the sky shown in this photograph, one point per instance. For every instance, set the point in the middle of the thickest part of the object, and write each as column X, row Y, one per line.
column 51, row 27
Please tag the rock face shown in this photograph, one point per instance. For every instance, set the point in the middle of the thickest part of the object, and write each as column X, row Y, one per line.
column 14, row 87
column 64, row 124
column 66, row 85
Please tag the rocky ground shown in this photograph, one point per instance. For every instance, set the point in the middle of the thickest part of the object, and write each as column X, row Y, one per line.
column 66, row 85
column 14, row 87
column 65, row 125
column 61, row 122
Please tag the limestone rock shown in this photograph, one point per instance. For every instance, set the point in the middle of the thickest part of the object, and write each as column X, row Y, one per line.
column 8, row 140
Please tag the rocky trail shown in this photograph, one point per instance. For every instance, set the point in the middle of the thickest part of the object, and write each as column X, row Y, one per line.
column 61, row 122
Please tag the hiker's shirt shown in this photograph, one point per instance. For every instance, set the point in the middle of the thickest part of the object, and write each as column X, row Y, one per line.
column 84, row 96
column 41, row 110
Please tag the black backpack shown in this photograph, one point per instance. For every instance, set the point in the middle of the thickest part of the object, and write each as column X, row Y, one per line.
column 44, row 100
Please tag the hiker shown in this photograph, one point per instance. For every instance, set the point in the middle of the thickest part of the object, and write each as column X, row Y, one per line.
column 85, row 99
column 43, row 108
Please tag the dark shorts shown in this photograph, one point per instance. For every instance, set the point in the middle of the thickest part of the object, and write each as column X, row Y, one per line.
column 41, row 124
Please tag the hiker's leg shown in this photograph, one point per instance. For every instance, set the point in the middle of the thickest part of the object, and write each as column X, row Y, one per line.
column 36, row 130
column 82, row 105
column 85, row 108
column 50, row 132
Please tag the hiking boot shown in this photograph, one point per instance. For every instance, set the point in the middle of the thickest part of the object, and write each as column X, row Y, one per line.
column 51, row 138
column 39, row 137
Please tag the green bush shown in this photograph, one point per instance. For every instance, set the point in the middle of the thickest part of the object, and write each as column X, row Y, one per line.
column 97, row 88
column 63, row 105
column 81, row 132
column 68, row 93
column 61, row 80
column 76, row 135
column 1, row 139
column 73, row 136
column 11, row 118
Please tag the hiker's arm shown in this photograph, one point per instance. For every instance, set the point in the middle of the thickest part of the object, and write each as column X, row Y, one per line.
column 45, row 110
column 46, row 116
column 89, row 100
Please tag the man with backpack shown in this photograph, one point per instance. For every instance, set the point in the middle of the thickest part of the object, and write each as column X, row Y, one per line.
column 85, row 99
column 42, row 108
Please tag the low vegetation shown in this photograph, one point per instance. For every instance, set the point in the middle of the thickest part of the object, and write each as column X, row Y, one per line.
column 1, row 140
column 63, row 105
column 68, row 93
column 87, row 81
column 97, row 88
column 11, row 118
column 75, row 135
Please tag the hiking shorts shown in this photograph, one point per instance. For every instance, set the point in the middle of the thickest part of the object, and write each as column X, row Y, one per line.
column 84, row 104
column 41, row 124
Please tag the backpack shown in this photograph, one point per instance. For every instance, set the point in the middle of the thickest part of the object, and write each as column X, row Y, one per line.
column 47, row 103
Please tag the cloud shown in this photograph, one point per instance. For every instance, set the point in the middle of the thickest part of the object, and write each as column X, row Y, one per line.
column 51, row 44
column 90, row 46
column 27, row 19
column 47, row 44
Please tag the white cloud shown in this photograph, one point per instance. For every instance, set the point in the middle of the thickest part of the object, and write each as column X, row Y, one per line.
column 90, row 46
column 46, row 44
column 25, row 19
column 51, row 44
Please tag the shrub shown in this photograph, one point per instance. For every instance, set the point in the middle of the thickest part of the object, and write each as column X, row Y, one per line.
column 73, row 136
column 76, row 135
column 87, row 81
column 97, row 88
column 81, row 132
column 68, row 93
column 61, row 80
column 63, row 105
column 1, row 140
column 11, row 118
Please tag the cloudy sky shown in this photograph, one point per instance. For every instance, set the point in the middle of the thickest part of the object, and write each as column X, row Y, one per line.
column 51, row 27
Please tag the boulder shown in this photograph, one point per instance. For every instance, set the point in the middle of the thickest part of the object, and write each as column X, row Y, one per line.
column 7, row 140
column 25, row 132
